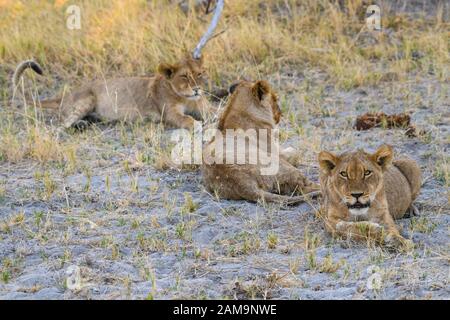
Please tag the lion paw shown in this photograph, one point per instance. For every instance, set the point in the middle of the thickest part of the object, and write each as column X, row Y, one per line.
column 398, row 242
column 61, row 134
column 342, row 226
column 81, row 125
column 292, row 156
column 375, row 226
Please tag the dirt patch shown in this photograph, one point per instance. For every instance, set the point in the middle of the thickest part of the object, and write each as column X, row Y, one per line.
column 137, row 232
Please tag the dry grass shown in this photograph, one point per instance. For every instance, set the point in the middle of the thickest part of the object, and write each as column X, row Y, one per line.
column 132, row 37
column 36, row 142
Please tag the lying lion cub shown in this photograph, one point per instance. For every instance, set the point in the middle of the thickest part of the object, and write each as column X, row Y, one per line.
column 363, row 193
column 171, row 96
column 253, row 105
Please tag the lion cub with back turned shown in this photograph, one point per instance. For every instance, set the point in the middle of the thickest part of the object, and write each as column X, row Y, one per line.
column 253, row 106
column 363, row 194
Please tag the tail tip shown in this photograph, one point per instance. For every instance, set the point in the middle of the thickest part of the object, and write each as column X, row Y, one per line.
column 36, row 68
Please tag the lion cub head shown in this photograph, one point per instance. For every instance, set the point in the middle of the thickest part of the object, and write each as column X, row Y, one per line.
column 186, row 78
column 354, row 178
column 251, row 105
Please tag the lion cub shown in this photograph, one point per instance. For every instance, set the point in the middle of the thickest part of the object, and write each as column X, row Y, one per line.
column 171, row 96
column 363, row 193
column 252, row 106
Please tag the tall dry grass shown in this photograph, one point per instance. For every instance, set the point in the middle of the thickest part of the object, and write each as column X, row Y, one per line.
column 132, row 37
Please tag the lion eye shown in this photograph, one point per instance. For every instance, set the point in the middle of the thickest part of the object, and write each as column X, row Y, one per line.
column 343, row 174
column 367, row 173
column 184, row 76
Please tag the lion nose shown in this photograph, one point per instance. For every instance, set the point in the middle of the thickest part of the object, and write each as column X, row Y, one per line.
column 357, row 195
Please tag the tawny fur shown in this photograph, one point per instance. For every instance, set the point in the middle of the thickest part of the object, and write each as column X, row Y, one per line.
column 387, row 187
column 253, row 105
column 173, row 96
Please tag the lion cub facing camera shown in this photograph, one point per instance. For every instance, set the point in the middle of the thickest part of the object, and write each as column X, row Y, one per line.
column 363, row 194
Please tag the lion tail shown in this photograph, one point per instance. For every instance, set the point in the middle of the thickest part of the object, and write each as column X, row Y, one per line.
column 53, row 103
column 24, row 65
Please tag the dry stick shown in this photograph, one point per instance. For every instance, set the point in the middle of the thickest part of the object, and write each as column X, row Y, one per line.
column 207, row 7
column 206, row 37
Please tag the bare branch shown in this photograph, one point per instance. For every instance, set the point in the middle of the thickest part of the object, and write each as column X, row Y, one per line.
column 208, row 34
column 207, row 7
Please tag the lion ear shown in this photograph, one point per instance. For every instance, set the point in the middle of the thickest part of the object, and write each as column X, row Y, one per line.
column 233, row 87
column 167, row 70
column 327, row 161
column 260, row 89
column 199, row 61
column 383, row 156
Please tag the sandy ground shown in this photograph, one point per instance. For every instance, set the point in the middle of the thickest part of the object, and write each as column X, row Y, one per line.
column 136, row 234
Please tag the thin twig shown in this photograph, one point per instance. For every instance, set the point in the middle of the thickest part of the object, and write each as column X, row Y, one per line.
column 206, row 37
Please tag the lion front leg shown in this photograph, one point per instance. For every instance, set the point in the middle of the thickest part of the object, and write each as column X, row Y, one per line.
column 175, row 117
column 81, row 108
column 291, row 181
column 360, row 231
column 291, row 155
column 392, row 237
column 383, row 233
column 200, row 110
